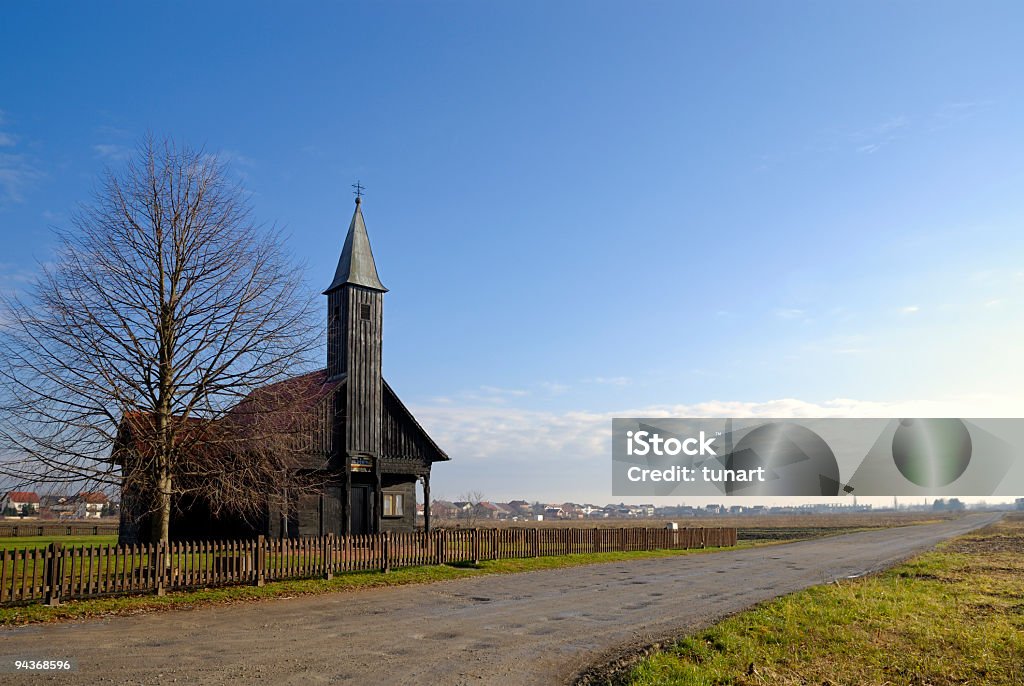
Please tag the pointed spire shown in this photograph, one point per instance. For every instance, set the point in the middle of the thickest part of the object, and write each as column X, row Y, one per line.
column 356, row 265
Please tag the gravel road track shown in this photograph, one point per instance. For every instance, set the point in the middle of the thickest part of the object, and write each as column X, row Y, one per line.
column 540, row 627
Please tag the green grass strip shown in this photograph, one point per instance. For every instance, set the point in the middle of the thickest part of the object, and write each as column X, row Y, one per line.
column 953, row 616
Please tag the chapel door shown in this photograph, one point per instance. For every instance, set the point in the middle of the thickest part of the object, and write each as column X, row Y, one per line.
column 361, row 504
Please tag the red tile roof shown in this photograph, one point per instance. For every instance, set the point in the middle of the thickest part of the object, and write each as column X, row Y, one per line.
column 22, row 497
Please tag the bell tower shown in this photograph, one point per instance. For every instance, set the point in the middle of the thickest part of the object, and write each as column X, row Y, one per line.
column 355, row 301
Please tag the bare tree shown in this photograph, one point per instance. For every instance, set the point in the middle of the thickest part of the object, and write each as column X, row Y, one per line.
column 165, row 305
column 474, row 510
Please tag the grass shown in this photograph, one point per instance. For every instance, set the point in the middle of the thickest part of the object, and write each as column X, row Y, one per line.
column 127, row 605
column 21, row 542
column 953, row 616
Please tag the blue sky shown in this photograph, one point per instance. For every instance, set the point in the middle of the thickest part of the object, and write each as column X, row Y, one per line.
column 585, row 210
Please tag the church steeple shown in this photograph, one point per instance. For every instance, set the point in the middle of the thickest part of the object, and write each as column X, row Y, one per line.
column 355, row 307
column 356, row 265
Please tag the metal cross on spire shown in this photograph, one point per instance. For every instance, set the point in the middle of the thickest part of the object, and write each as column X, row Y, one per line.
column 359, row 188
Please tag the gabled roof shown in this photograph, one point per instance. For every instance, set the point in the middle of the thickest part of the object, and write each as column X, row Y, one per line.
column 280, row 408
column 283, row 401
column 439, row 455
column 356, row 265
column 22, row 497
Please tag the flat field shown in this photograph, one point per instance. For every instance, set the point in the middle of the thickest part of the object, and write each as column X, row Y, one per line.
column 952, row 616
column 858, row 520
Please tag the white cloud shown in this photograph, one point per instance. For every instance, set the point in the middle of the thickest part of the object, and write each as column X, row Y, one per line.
column 236, row 158
column 790, row 313
column 951, row 113
column 14, row 273
column 873, row 138
column 610, row 380
column 17, row 174
column 510, row 452
column 910, row 309
column 7, row 140
column 112, row 151
column 495, row 390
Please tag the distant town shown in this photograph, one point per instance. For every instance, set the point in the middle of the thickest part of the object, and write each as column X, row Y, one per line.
column 524, row 511
column 97, row 505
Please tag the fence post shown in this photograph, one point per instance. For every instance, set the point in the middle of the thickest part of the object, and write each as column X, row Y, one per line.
column 386, row 553
column 329, row 556
column 260, row 561
column 476, row 546
column 536, row 542
column 160, row 553
column 53, row 572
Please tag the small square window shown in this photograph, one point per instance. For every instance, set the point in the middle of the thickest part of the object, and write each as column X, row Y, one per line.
column 364, row 312
column 393, row 505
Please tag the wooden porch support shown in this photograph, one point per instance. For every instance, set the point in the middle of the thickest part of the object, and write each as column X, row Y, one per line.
column 378, row 497
column 346, row 516
column 426, row 503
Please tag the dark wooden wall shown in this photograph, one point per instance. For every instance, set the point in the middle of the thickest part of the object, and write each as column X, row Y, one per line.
column 400, row 438
column 407, row 487
column 335, row 334
column 361, row 349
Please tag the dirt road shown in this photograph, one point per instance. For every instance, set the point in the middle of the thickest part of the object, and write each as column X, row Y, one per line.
column 534, row 628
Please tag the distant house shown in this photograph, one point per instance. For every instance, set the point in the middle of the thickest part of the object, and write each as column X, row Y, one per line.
column 90, row 505
column 443, row 509
column 61, row 506
column 19, row 501
column 504, row 512
column 554, row 512
column 572, row 511
column 486, row 510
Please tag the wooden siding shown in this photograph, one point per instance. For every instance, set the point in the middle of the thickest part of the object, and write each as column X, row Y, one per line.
column 363, row 386
column 335, row 334
column 407, row 489
column 402, row 439
column 315, row 434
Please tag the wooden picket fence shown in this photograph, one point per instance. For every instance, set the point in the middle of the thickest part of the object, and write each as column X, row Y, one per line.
column 25, row 529
column 57, row 573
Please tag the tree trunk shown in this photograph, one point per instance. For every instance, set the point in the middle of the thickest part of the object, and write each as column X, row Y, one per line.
column 161, row 522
